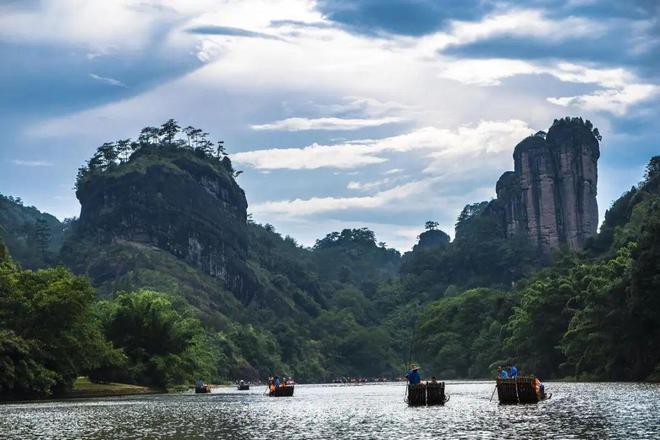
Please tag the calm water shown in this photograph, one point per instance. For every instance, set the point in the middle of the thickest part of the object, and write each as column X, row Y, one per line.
column 345, row 412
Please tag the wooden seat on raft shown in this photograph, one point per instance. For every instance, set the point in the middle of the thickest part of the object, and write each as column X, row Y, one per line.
column 427, row 394
column 517, row 390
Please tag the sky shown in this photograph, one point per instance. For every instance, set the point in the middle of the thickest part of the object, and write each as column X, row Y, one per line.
column 341, row 113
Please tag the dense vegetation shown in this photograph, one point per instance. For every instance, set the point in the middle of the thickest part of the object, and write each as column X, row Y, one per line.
column 48, row 331
column 348, row 306
column 34, row 237
column 589, row 316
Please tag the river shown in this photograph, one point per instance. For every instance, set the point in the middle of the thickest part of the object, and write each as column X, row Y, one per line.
column 370, row 411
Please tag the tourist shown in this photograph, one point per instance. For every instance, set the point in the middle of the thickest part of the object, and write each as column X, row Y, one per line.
column 413, row 375
column 514, row 371
column 539, row 387
column 501, row 373
column 433, row 379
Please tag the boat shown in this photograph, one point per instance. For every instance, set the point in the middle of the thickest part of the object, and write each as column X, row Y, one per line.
column 204, row 388
column 427, row 394
column 281, row 391
column 242, row 386
column 520, row 389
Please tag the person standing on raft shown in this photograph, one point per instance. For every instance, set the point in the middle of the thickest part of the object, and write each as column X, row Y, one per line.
column 413, row 375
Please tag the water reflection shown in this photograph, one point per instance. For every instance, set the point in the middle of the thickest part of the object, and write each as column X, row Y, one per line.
column 346, row 412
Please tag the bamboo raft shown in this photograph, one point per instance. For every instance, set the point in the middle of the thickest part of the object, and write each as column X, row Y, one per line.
column 427, row 394
column 243, row 387
column 203, row 389
column 281, row 391
column 519, row 390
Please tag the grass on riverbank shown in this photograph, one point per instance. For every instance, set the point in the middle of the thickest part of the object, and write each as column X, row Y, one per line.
column 83, row 387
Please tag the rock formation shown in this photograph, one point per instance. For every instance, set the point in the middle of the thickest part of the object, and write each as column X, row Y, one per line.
column 551, row 194
column 175, row 201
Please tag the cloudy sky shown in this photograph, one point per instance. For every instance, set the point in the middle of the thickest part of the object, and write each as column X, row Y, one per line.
column 378, row 113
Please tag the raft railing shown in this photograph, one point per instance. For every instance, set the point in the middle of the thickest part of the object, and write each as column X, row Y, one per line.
column 427, row 394
column 282, row 391
column 520, row 389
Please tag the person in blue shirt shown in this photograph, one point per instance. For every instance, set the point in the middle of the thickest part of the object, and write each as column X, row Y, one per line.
column 277, row 381
column 514, row 371
column 501, row 373
column 413, row 375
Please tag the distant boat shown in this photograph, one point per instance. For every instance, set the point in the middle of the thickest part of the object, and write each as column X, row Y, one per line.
column 520, row 389
column 427, row 394
column 204, row 388
column 281, row 391
column 243, row 386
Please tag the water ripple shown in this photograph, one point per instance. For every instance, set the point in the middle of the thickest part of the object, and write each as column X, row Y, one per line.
column 577, row 410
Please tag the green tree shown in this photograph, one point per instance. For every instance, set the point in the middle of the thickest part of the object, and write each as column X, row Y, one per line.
column 168, row 131
column 124, row 149
column 48, row 332
column 431, row 225
column 162, row 344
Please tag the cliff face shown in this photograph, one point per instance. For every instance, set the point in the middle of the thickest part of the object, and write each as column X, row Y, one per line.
column 551, row 194
column 175, row 201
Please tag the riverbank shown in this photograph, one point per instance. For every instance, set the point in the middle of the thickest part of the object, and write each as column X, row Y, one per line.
column 83, row 388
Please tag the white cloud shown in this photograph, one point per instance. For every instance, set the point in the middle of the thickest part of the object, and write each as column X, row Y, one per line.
column 371, row 107
column 531, row 23
column 32, row 163
column 615, row 101
column 489, row 72
column 367, row 186
column 107, row 80
column 307, row 158
column 527, row 22
column 356, row 82
column 316, row 205
column 465, row 142
column 97, row 24
column 300, row 124
column 619, row 87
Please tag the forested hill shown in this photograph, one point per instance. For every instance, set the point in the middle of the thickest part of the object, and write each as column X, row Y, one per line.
column 164, row 213
column 590, row 315
column 34, row 237
column 188, row 286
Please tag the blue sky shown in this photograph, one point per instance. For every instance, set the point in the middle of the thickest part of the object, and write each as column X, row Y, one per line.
column 341, row 113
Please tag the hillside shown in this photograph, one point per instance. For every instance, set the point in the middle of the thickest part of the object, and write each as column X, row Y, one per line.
column 166, row 214
column 33, row 237
column 165, row 239
column 591, row 315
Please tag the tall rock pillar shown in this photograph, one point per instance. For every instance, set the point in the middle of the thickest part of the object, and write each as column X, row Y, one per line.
column 551, row 194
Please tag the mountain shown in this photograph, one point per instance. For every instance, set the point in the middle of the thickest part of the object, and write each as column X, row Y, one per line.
column 176, row 200
column 164, row 230
column 165, row 213
column 588, row 315
column 548, row 202
column 33, row 237
column 551, row 194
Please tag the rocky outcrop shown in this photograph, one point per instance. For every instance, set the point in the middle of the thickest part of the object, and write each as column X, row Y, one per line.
column 177, row 201
column 551, row 194
column 431, row 239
